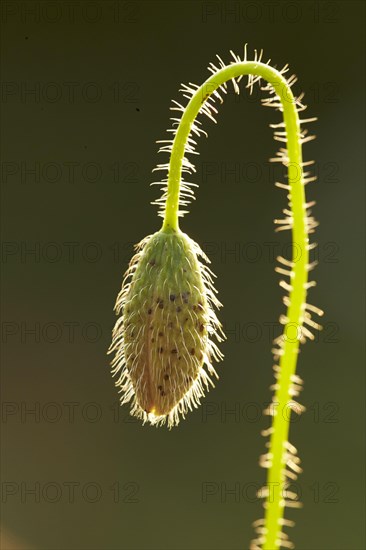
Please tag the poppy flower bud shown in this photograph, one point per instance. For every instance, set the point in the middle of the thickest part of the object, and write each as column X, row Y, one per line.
column 162, row 339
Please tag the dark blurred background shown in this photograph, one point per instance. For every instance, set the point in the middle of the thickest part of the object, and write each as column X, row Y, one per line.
column 86, row 90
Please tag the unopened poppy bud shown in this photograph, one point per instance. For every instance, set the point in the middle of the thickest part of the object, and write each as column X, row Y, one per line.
column 162, row 338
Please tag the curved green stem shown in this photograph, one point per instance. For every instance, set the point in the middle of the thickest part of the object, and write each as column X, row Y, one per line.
column 276, row 477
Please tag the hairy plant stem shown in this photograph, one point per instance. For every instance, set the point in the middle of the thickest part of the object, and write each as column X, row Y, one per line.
column 274, row 505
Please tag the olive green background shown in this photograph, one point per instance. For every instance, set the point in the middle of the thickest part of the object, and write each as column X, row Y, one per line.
column 138, row 487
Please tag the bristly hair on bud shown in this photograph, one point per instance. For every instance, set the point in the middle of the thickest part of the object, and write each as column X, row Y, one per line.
column 162, row 338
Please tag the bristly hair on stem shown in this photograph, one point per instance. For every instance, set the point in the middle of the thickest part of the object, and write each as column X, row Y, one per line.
column 281, row 458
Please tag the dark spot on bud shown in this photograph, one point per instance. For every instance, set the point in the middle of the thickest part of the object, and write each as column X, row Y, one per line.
column 170, row 324
column 202, row 328
column 192, row 351
column 174, row 351
column 166, row 376
column 160, row 334
column 172, row 297
column 179, row 309
column 161, row 350
column 162, row 393
column 153, row 339
column 185, row 297
column 152, row 263
column 149, row 311
column 160, row 388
